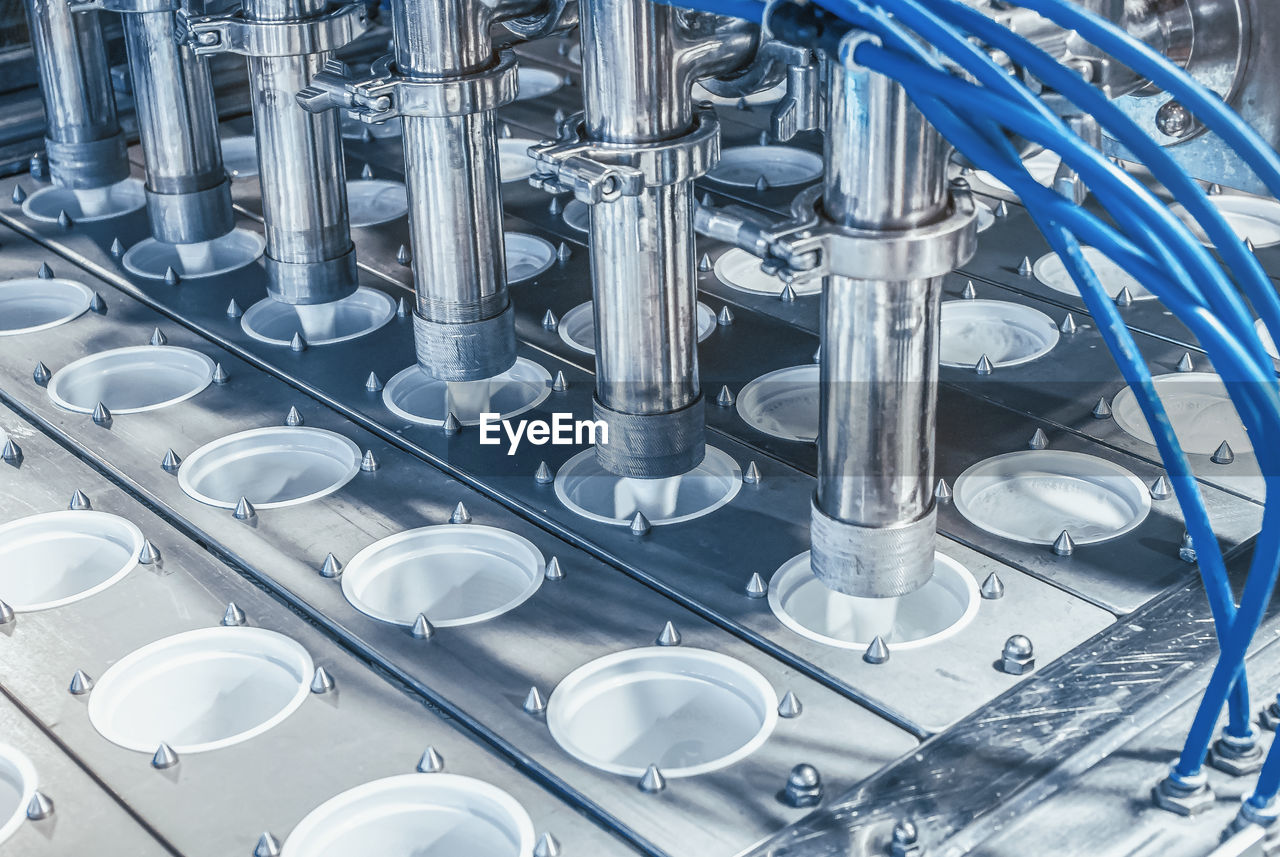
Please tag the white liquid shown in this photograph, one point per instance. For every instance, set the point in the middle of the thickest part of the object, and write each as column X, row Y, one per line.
column 318, row 320
column 196, row 258
column 466, row 400
column 655, row 497
column 93, row 201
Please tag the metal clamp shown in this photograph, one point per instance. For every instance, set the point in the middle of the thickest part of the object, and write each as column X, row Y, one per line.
column 385, row 94
column 810, row 245
column 125, row 7
column 234, row 33
column 597, row 171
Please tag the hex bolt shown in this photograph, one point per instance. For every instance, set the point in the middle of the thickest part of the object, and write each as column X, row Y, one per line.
column 1018, row 657
column 804, row 787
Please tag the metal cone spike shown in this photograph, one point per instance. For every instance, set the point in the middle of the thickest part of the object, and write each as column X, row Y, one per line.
column 101, row 415
column 544, row 476
column 942, row 491
column 331, row 567
column 725, row 398
column 549, row 320
column 460, row 514
column 1102, row 410
column 756, row 587
column 1064, row 545
column 1025, row 268
column 752, row 474
column 297, row 344
column 1068, row 325
column 321, row 682
column 559, row 384
column 639, row 524
column 220, row 375
column 534, row 703
column 268, row 846
column 80, row 683
column 369, row 462
column 1124, row 297
column 11, row 452
column 367, row 172
column 158, row 338
column 79, row 501
column 431, row 762
column 402, row 255
column 704, row 264
column 877, row 652
column 983, row 366
column 39, row 807
column 725, row 318
column 669, row 636
column 1039, row 440
column 45, row 272
column 164, row 757
column 6, row 613
column 992, row 588
column 652, row 781
column 171, row 461
column 149, row 554
column 422, row 629
column 373, row 383
column 117, row 249
column 969, row 293
column 790, row 706
column 41, row 374
column 1223, row 454
column 294, row 417
column 233, row 309
column 244, row 510
column 1186, row 364
column 1161, row 489
column 171, row 277
column 233, row 616
column 451, row 424
column 546, row 846
column 554, row 571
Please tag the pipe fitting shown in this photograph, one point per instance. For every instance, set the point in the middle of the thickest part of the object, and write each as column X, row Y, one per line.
column 652, row 446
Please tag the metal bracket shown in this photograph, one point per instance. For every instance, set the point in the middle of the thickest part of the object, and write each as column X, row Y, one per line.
column 597, row 171
column 234, row 33
column 385, row 94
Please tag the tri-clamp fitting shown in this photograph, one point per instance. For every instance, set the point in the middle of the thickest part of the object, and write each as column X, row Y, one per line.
column 309, row 257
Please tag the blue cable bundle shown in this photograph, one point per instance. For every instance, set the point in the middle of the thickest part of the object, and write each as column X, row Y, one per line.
column 1150, row 243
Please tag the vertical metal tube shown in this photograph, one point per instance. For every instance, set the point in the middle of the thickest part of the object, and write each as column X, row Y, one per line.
column 874, row 518
column 188, row 194
column 642, row 253
column 309, row 256
column 464, row 327
column 85, row 145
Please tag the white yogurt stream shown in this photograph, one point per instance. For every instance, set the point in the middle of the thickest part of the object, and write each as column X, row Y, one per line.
column 197, row 257
column 319, row 321
column 94, row 202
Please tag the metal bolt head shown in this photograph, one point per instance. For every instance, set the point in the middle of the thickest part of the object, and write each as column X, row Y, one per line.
column 1174, row 120
column 804, row 786
column 1183, row 796
column 1238, row 757
column 1018, row 656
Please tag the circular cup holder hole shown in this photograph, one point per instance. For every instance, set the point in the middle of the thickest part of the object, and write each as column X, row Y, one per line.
column 1033, row 495
column 779, row 166
column 527, row 256
column 783, row 403
column 371, row 202
column 455, row 574
column 1008, row 334
column 415, row 396
column 58, row 558
column 514, row 163
column 1199, row 409
column 932, row 613
column 271, row 467
column 131, row 380
column 739, row 270
column 359, row 313
column 416, row 815
column 152, row 259
column 1249, row 217
column 201, row 690
column 1049, row 270
column 32, row 304
column 589, row 490
column 17, row 787
column 85, row 206
column 688, row 711
column 240, row 156
column 578, row 326
column 1043, row 166
column 536, row 82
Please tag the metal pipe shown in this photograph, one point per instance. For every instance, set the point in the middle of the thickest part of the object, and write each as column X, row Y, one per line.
column 464, row 326
column 188, row 193
column 310, row 258
column 83, row 139
column 874, row 516
column 639, row 60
